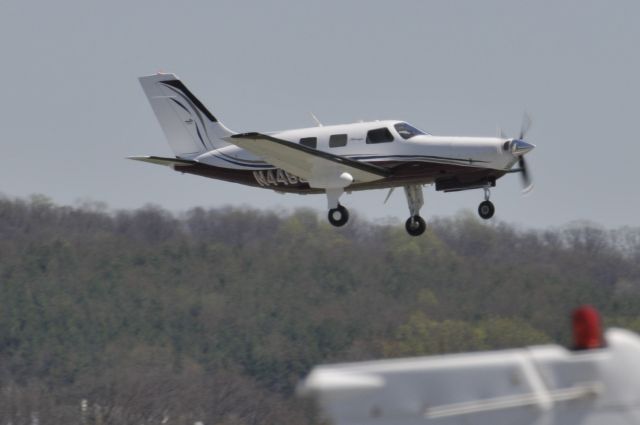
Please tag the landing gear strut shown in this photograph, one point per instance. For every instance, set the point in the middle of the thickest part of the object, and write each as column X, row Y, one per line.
column 486, row 208
column 415, row 225
column 338, row 216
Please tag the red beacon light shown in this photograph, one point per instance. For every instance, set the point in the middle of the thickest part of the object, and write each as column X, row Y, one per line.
column 587, row 331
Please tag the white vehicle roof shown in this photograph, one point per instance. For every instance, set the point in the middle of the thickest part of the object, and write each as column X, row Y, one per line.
column 536, row 385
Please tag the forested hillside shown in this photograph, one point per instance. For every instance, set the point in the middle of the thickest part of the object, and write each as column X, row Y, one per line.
column 214, row 315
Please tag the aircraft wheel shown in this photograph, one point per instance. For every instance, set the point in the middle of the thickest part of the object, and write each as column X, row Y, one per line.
column 415, row 225
column 486, row 209
column 338, row 216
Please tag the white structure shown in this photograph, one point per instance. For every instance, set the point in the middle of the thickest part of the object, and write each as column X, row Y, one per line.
column 542, row 385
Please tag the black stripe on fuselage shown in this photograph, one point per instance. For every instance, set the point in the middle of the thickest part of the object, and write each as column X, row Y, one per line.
column 357, row 160
column 379, row 159
column 427, row 157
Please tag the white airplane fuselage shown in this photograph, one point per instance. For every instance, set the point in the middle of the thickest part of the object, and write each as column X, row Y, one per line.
column 421, row 159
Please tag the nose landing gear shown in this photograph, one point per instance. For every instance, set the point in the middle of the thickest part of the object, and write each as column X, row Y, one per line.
column 486, row 208
column 415, row 225
column 338, row 216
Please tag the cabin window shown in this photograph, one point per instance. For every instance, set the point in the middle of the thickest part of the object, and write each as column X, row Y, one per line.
column 379, row 135
column 310, row 142
column 337, row 140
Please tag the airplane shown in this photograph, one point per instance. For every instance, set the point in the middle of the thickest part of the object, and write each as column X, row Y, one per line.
column 332, row 159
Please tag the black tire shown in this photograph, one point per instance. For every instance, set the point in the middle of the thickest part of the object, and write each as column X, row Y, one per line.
column 415, row 225
column 486, row 209
column 338, row 216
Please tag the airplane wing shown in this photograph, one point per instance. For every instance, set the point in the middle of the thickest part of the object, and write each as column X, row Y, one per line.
column 305, row 162
column 170, row 162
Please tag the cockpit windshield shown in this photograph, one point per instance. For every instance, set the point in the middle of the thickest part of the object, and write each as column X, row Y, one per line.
column 407, row 131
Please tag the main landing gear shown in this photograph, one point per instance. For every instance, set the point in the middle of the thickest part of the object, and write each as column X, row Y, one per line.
column 415, row 225
column 486, row 208
column 338, row 215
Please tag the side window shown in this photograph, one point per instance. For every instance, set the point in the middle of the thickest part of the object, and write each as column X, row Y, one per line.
column 310, row 142
column 379, row 135
column 337, row 140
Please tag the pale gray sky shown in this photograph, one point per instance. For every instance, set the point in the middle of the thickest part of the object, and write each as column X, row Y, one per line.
column 72, row 109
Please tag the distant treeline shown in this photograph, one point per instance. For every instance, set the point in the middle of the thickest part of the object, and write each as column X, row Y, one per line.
column 215, row 314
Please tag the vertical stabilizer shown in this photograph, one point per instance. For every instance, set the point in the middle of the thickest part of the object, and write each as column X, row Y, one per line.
column 188, row 125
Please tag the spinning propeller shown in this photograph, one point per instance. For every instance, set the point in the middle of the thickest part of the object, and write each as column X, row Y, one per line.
column 519, row 148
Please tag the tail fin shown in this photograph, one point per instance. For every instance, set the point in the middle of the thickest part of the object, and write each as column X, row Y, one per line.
column 189, row 127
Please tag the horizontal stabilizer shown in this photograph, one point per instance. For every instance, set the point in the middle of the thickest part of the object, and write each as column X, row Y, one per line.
column 169, row 162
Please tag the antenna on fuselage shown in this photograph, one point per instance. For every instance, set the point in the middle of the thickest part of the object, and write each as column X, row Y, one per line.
column 316, row 119
column 388, row 195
